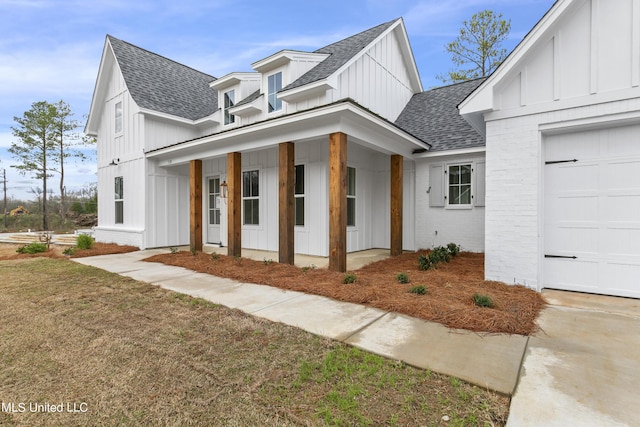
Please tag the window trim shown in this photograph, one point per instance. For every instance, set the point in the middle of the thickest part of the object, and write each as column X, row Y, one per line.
column 209, row 194
column 353, row 196
column 302, row 196
column 258, row 197
column 118, row 118
column 448, row 204
column 226, row 115
column 278, row 101
column 118, row 199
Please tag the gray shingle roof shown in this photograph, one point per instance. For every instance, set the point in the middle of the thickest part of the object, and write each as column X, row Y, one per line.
column 433, row 117
column 340, row 53
column 255, row 95
column 163, row 85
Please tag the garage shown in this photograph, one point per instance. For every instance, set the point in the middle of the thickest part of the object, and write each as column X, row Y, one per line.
column 591, row 229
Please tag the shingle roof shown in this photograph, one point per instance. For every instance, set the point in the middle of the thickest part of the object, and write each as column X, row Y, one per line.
column 163, row 85
column 433, row 117
column 340, row 53
column 255, row 95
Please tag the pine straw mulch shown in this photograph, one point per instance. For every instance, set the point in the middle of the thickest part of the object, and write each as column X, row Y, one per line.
column 449, row 300
column 8, row 251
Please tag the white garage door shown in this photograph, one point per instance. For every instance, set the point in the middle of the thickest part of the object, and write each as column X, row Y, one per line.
column 592, row 211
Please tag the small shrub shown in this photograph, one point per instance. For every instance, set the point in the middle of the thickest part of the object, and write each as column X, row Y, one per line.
column 173, row 250
column 418, row 290
column 84, row 241
column 267, row 261
column 440, row 254
column 402, row 278
column 482, row 300
column 32, row 248
column 308, row 267
column 425, row 263
column 194, row 251
column 349, row 278
column 215, row 256
column 69, row 251
column 453, row 249
column 237, row 259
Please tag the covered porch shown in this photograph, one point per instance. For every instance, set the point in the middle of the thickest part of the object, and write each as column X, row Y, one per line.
column 268, row 151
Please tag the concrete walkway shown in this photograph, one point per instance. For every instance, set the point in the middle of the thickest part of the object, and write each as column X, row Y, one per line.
column 491, row 361
column 581, row 369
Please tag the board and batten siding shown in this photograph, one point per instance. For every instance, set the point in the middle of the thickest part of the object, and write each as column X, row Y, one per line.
column 378, row 80
column 435, row 223
column 125, row 149
column 593, row 48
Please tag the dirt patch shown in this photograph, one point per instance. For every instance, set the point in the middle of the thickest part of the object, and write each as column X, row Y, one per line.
column 449, row 298
column 8, row 251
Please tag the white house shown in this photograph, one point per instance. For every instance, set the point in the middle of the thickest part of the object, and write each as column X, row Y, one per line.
column 561, row 117
column 342, row 150
column 320, row 151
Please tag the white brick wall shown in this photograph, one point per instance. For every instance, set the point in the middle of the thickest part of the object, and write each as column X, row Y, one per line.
column 514, row 220
column 436, row 226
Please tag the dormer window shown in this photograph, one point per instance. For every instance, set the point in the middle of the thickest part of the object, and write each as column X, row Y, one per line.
column 274, row 83
column 229, row 101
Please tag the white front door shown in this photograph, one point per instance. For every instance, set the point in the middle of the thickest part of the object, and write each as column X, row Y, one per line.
column 213, row 206
column 592, row 211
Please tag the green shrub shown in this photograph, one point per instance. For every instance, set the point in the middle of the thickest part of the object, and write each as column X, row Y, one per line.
column 69, row 251
column 267, row 261
column 482, row 300
column 349, row 278
column 32, row 248
column 418, row 290
column 84, row 241
column 453, row 249
column 215, row 256
column 77, row 207
column 402, row 278
column 440, row 254
column 424, row 263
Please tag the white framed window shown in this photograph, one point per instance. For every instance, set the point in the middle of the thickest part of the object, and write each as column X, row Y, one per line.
column 251, row 197
column 299, row 195
column 118, row 117
column 119, row 200
column 274, row 83
column 351, row 197
column 459, row 185
column 214, row 201
column 229, row 101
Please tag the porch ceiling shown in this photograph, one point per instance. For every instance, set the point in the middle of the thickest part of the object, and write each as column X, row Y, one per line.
column 361, row 126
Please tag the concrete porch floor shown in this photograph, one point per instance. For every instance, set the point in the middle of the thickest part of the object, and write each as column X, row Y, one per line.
column 355, row 260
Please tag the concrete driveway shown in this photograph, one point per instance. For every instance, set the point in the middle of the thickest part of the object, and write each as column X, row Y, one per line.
column 583, row 367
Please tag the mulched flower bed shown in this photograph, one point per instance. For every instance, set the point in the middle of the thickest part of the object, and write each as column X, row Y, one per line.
column 449, row 298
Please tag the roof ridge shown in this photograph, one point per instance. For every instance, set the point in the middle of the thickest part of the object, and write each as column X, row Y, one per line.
column 110, row 37
column 456, row 83
column 357, row 34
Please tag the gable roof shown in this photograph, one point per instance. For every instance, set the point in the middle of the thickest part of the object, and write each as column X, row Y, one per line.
column 160, row 84
column 339, row 54
column 433, row 117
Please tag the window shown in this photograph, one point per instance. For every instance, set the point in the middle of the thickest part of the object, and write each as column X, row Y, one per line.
column 229, row 101
column 299, row 194
column 275, row 84
column 459, row 185
column 119, row 199
column 351, row 197
column 118, row 117
column 214, row 200
column 251, row 197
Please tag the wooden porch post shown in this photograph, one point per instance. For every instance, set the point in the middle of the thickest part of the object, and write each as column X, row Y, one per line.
column 338, row 202
column 195, row 205
column 396, row 204
column 234, row 185
column 286, row 202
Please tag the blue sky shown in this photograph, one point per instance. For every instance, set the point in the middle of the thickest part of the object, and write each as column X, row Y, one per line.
column 50, row 49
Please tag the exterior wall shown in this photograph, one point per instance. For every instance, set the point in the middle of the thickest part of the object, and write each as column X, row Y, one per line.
column 378, row 80
column 126, row 148
column 514, row 212
column 160, row 133
column 439, row 225
column 168, row 213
